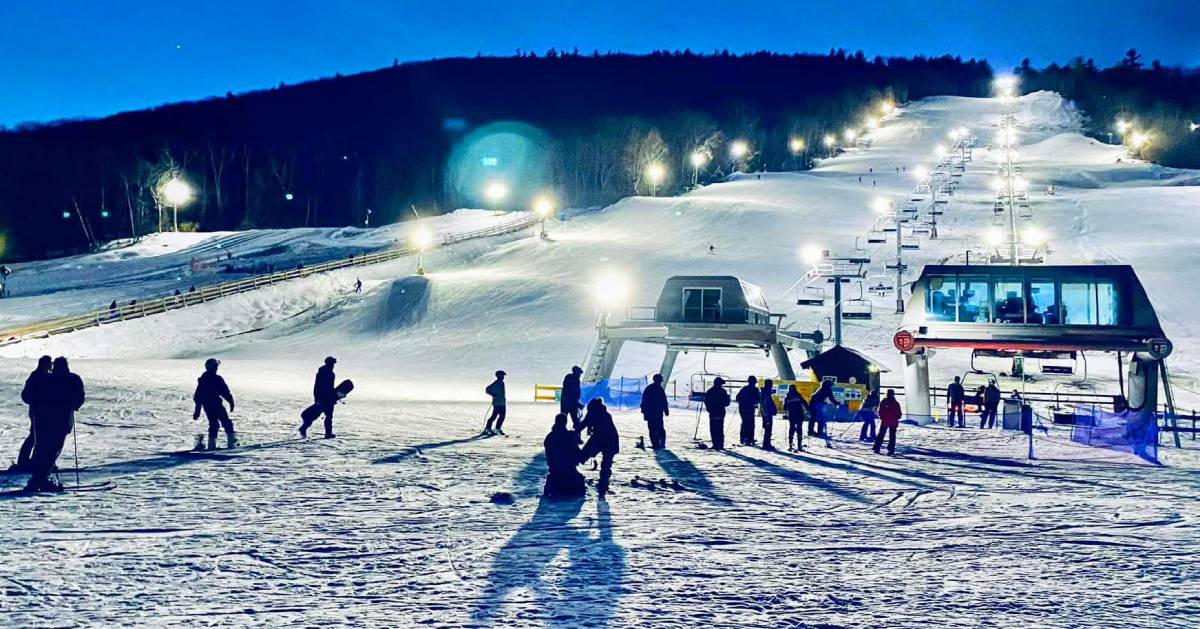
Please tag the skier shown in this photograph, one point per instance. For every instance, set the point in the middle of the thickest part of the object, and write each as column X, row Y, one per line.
column 991, row 402
column 496, row 390
column 35, row 395
column 357, row 285
column 210, row 391
column 568, row 402
column 325, row 395
column 796, row 409
column 716, row 400
column 604, row 441
column 747, row 402
column 562, row 461
column 654, row 409
column 889, row 420
column 867, row 414
column 955, row 393
column 819, row 406
column 768, row 410
column 54, row 421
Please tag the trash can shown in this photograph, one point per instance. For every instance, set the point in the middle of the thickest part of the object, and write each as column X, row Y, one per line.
column 1012, row 415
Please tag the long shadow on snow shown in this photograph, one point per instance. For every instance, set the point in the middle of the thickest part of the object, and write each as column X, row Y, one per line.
column 962, row 456
column 588, row 593
column 173, row 459
column 687, row 473
column 852, row 467
column 412, row 451
column 799, row 477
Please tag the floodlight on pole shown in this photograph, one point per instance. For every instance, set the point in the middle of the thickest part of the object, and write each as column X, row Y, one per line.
column 739, row 150
column 921, row 173
column 796, row 145
column 882, row 205
column 887, row 107
column 1122, row 126
column 940, row 151
column 177, row 192
column 870, row 122
column 543, row 207
column 811, row 254
column 699, row 159
column 655, row 173
column 610, row 290
column 828, row 141
column 849, row 134
column 421, row 239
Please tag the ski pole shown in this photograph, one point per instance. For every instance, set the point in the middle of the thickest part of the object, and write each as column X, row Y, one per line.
column 75, row 440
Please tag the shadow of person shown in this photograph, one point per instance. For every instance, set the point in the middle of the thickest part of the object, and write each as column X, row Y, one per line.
column 592, row 578
column 688, row 474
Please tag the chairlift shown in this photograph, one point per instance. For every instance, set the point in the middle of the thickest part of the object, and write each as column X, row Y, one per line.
column 811, row 296
column 875, row 237
column 859, row 254
column 858, row 308
column 882, row 286
column 910, row 246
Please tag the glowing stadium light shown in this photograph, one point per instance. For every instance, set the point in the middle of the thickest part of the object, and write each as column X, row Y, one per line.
column 811, row 254
column 871, row 123
column 1139, row 139
column 921, row 173
column 739, row 149
column 421, row 239
column 1006, row 85
column 887, row 107
column 699, row 159
column 796, row 145
column 176, row 192
column 939, row 151
column 543, row 207
column 828, row 141
column 882, row 205
column 610, row 289
column 849, row 134
column 1123, row 126
column 495, row 191
column 955, row 134
column 655, row 173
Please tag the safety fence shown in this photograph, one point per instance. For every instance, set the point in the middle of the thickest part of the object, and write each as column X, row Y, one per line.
column 138, row 309
column 546, row 393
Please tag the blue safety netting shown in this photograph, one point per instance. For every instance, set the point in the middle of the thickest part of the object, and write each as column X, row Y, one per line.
column 1129, row 431
column 616, row 392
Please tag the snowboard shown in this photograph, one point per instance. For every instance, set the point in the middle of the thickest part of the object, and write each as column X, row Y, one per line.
column 311, row 413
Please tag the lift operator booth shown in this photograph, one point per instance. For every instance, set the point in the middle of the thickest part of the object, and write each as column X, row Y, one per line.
column 1033, row 310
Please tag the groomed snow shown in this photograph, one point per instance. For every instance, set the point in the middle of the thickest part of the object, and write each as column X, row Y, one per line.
column 390, row 524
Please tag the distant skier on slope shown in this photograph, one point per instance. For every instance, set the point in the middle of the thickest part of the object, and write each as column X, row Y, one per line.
column 562, row 461
column 211, row 393
column 768, row 410
column 654, row 408
column 35, row 394
column 956, row 394
column 54, row 422
column 796, row 409
column 499, row 405
column 604, row 441
column 889, row 421
column 325, row 396
column 747, row 402
column 568, row 401
column 716, row 400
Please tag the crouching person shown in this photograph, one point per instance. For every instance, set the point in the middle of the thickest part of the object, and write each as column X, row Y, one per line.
column 562, row 459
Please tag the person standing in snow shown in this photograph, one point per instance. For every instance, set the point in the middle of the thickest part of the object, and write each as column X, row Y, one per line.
column 716, row 400
column 991, row 403
column 499, row 410
column 796, row 409
column 768, row 410
column 211, row 393
column 821, row 405
column 867, row 414
column 956, row 395
column 324, row 395
column 35, row 394
column 747, row 401
column 889, row 421
column 568, row 401
column 357, row 285
column 654, row 408
column 604, row 441
column 54, row 421
column 563, row 479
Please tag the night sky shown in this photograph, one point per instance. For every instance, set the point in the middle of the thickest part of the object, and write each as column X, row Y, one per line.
column 64, row 58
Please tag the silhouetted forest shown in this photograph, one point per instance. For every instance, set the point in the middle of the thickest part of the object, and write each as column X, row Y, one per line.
column 1163, row 101
column 430, row 136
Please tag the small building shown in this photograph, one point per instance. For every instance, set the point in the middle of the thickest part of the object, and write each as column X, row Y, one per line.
column 842, row 364
column 711, row 299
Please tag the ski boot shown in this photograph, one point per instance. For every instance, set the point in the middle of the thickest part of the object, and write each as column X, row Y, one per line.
column 231, row 441
column 330, row 435
column 212, row 443
column 199, row 447
column 303, row 431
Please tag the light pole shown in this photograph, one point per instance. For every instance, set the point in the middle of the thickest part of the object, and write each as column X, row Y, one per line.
column 739, row 151
column 796, row 146
column 421, row 239
column 849, row 134
column 655, row 173
column 543, row 207
column 828, row 141
column 699, row 159
column 177, row 192
column 610, row 290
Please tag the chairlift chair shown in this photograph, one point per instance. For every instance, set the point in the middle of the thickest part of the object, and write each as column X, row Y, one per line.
column 882, row 286
column 875, row 237
column 859, row 309
column 859, row 254
column 811, row 296
column 910, row 246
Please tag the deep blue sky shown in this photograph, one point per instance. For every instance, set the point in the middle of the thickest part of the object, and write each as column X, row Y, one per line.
column 66, row 58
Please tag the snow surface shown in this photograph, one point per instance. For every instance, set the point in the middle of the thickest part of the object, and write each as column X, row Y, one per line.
column 390, row 524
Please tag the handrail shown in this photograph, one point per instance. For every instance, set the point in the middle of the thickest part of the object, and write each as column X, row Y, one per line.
column 139, row 309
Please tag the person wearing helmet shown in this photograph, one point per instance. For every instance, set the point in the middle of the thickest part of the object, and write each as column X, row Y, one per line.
column 496, row 390
column 53, row 423
column 325, row 395
column 716, row 400
column 568, row 403
column 210, row 391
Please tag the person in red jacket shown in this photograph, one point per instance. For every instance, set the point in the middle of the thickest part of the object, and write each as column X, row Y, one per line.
column 889, row 420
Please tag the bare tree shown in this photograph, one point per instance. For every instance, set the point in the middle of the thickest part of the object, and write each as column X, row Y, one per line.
column 218, row 159
column 641, row 150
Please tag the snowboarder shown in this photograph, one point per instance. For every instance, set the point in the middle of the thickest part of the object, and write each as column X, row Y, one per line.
column 747, row 402
column 716, row 400
column 866, row 414
column 357, row 285
column 54, row 421
column 654, row 409
column 991, row 402
column 768, row 410
column 604, row 441
column 496, row 390
column 568, row 401
column 889, row 421
column 210, row 391
column 563, row 479
column 324, row 395
column 956, row 394
column 796, row 409
column 35, row 394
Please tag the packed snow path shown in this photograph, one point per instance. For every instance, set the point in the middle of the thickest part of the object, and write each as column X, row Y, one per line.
column 391, row 525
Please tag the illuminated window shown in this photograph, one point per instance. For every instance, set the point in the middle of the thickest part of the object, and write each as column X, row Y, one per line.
column 973, row 300
column 1009, row 301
